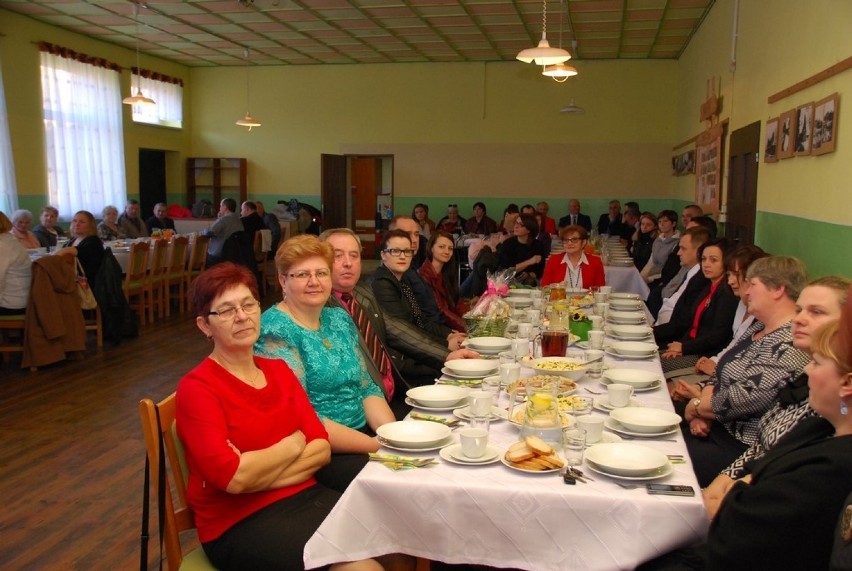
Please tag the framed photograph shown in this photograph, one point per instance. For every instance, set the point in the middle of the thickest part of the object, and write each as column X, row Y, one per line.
column 770, row 147
column 804, row 128
column 683, row 164
column 786, row 134
column 825, row 125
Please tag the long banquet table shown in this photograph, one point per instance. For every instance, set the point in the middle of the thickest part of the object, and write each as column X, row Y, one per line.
column 500, row 517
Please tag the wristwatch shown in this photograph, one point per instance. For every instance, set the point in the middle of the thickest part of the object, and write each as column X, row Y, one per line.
column 696, row 403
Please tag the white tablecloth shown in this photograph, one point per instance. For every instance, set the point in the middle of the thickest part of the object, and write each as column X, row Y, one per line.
column 626, row 279
column 496, row 516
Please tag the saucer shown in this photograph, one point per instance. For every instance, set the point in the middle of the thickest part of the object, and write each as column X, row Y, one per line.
column 652, row 387
column 612, row 424
column 413, row 403
column 444, row 443
column 612, row 353
column 497, row 413
column 453, row 454
column 654, row 475
column 602, row 403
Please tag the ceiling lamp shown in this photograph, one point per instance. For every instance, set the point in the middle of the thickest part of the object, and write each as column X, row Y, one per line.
column 571, row 108
column 139, row 98
column 248, row 120
column 561, row 72
column 543, row 54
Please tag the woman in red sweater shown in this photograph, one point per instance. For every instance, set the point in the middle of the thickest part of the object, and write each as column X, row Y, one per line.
column 576, row 268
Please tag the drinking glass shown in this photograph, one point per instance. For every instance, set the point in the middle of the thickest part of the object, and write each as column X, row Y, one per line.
column 573, row 445
column 594, row 363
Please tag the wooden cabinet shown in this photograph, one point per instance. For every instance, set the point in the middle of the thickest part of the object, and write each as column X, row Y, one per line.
column 215, row 179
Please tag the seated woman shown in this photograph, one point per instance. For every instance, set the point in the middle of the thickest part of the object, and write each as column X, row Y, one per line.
column 452, row 223
column 395, row 293
column 15, row 272
column 664, row 244
column 510, row 214
column 253, row 443
column 48, row 232
column 320, row 344
column 701, row 327
column 85, row 244
column 576, row 268
column 109, row 229
column 522, row 253
column 722, row 422
column 21, row 220
column 480, row 223
column 819, row 303
column 643, row 240
column 440, row 273
column 420, row 214
column 543, row 238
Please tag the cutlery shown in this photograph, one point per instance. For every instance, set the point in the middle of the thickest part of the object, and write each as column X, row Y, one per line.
column 431, row 418
column 629, row 486
column 588, row 390
column 400, row 461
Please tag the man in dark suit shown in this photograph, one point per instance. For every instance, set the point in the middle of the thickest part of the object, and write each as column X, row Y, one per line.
column 575, row 216
column 159, row 220
column 252, row 222
column 610, row 221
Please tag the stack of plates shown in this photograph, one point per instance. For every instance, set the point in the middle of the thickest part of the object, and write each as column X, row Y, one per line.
column 627, row 461
column 626, row 317
column 624, row 304
column 489, row 345
column 470, row 368
column 630, row 332
column 632, row 350
column 436, row 397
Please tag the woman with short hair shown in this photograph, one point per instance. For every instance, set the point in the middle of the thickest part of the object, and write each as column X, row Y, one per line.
column 522, row 252
column 575, row 267
column 21, row 220
column 15, row 271
column 109, row 229
column 47, row 231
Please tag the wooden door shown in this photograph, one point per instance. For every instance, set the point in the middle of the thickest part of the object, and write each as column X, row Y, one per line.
column 152, row 180
column 334, row 192
column 743, row 162
column 365, row 184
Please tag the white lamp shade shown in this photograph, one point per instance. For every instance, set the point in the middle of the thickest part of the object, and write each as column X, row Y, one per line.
column 248, row 121
column 543, row 54
column 560, row 71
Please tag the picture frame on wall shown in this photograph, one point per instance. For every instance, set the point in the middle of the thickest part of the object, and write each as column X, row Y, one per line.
column 825, row 125
column 683, row 163
column 770, row 146
column 804, row 128
column 787, row 134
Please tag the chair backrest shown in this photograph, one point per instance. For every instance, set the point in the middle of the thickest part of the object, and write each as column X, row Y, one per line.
column 158, row 259
column 137, row 270
column 178, row 516
column 198, row 256
column 177, row 259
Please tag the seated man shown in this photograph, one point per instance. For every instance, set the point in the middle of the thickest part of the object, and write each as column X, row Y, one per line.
column 252, row 222
column 129, row 222
column 574, row 216
column 226, row 224
column 274, row 226
column 610, row 221
column 159, row 220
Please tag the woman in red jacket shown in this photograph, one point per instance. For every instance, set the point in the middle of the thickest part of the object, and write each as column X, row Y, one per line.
column 440, row 273
column 576, row 268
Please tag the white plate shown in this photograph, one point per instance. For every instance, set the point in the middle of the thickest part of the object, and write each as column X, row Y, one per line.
column 615, row 426
column 606, row 438
column 482, row 344
column 652, row 387
column 645, row 419
column 453, row 454
column 602, row 403
column 452, row 375
column 497, row 413
column 446, row 442
column 471, row 367
column 626, row 317
column 552, row 470
column 612, row 353
column 413, row 403
column 624, row 295
column 661, row 473
column 621, row 338
column 636, row 378
column 627, row 459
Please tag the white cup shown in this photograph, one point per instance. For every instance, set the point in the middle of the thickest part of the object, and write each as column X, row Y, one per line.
column 509, row 372
column 619, row 394
column 596, row 339
column 480, row 402
column 601, row 309
column 521, row 347
column 593, row 425
column 524, row 331
column 606, row 289
column 534, row 316
column 474, row 442
column 597, row 322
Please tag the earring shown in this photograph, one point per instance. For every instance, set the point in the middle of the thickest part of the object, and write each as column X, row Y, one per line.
column 844, row 410
column 210, row 338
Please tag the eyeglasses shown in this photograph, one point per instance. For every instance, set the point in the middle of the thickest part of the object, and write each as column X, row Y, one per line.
column 249, row 307
column 571, row 240
column 399, row 253
column 452, row 206
column 305, row 275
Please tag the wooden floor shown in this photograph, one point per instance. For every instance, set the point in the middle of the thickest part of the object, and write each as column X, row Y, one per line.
column 72, row 458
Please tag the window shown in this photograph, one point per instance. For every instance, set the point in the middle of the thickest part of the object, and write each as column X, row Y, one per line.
column 8, row 190
column 167, row 92
column 84, row 139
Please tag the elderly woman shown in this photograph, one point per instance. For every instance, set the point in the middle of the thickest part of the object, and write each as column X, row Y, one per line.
column 253, row 443
column 522, row 252
column 420, row 214
column 320, row 344
column 21, row 220
column 723, row 421
column 48, row 232
column 664, row 244
column 576, row 268
column 452, row 223
column 440, row 274
column 480, row 223
column 85, row 244
column 15, row 271
column 109, row 229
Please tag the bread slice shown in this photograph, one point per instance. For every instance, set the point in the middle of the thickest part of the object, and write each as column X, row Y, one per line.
column 518, row 452
column 538, row 445
column 553, row 461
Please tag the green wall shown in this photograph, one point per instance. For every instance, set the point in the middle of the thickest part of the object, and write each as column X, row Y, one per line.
column 824, row 247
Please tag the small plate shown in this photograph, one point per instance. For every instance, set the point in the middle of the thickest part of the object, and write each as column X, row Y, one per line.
column 615, row 426
column 446, row 372
column 444, row 443
column 606, row 438
column 524, row 470
column 497, row 413
column 612, row 353
column 655, row 475
column 453, row 454
column 652, row 387
column 602, row 403
column 414, row 404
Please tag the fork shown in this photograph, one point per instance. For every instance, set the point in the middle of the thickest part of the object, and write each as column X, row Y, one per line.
column 588, row 390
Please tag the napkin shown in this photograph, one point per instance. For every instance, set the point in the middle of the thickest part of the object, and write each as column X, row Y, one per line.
column 460, row 382
column 429, row 417
column 397, row 463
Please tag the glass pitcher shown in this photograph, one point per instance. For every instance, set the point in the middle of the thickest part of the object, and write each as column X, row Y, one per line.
column 539, row 415
column 560, row 316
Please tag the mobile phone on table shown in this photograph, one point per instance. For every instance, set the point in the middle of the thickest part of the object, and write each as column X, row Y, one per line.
column 670, row 490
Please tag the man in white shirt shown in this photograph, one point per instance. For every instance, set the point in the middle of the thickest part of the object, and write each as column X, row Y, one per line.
column 688, row 246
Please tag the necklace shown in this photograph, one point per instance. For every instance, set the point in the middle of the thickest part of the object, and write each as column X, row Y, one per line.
column 315, row 329
column 252, row 381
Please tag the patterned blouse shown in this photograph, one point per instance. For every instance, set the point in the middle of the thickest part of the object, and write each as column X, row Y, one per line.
column 327, row 362
column 749, row 376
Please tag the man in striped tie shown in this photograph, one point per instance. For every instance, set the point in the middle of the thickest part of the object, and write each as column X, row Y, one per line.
column 398, row 354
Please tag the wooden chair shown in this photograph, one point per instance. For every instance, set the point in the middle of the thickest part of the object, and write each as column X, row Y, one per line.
column 156, row 279
column 136, row 279
column 161, row 437
column 197, row 261
column 260, row 260
column 93, row 321
column 11, row 323
column 174, row 280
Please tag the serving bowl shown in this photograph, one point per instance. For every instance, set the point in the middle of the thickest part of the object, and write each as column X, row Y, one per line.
column 630, row 331
column 636, row 378
column 644, row 419
column 625, row 458
column 414, row 433
column 472, row 367
column 574, row 369
column 438, row 396
column 634, row 348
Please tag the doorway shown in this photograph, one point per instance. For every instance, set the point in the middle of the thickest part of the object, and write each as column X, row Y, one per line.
column 152, row 180
column 743, row 163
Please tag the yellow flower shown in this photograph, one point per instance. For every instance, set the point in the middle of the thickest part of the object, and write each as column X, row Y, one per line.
column 578, row 316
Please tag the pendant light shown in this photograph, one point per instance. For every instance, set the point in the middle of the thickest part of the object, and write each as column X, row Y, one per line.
column 543, row 54
column 561, row 72
column 248, row 120
column 139, row 98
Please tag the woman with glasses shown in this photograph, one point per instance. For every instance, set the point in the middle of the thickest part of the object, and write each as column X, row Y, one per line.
column 576, row 268
column 320, row 344
column 253, row 442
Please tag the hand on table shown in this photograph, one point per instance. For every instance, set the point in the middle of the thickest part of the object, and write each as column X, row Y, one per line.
column 683, row 391
column 463, row 354
column 674, row 349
